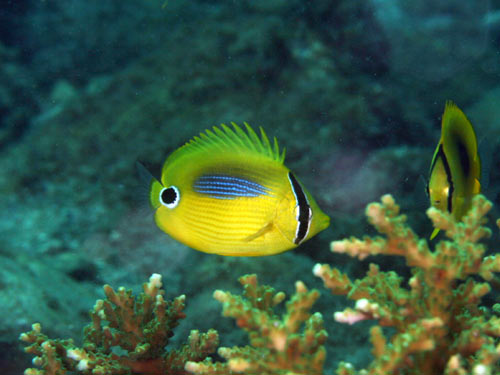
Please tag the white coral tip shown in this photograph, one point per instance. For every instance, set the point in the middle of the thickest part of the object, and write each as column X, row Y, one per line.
column 155, row 280
column 362, row 304
column 337, row 246
column 300, row 287
column 349, row 317
column 83, row 365
column 193, row 367
column 220, row 295
column 317, row 270
column 238, row 365
column 74, row 354
column 481, row 370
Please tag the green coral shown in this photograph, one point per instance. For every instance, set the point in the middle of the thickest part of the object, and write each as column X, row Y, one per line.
column 278, row 345
column 126, row 336
column 440, row 326
column 141, row 328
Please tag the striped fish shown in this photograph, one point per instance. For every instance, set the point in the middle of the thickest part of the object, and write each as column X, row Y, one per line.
column 228, row 192
column 455, row 169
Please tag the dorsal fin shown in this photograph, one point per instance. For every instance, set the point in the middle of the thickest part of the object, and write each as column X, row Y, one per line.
column 460, row 147
column 457, row 129
column 227, row 139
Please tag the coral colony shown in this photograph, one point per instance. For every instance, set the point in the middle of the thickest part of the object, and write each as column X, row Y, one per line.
column 439, row 326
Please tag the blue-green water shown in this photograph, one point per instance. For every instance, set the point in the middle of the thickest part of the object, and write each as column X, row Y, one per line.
column 353, row 89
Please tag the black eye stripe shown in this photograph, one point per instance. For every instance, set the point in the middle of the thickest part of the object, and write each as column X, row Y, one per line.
column 305, row 213
column 448, row 176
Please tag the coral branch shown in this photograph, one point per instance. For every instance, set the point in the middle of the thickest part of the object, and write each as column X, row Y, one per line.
column 400, row 240
column 440, row 327
column 139, row 327
column 438, row 324
column 276, row 344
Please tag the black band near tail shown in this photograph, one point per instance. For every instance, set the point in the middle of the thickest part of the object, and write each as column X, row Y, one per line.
column 304, row 216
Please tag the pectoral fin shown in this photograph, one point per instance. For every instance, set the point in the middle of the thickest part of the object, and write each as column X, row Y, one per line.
column 477, row 187
column 266, row 228
column 434, row 233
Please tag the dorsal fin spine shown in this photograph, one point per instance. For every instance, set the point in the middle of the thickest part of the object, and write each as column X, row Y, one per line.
column 234, row 135
column 224, row 135
column 223, row 138
column 280, row 156
column 254, row 138
column 244, row 137
column 265, row 140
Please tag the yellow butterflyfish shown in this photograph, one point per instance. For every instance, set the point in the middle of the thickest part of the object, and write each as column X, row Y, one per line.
column 455, row 168
column 228, row 192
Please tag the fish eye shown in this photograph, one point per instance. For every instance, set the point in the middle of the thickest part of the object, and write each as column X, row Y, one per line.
column 170, row 197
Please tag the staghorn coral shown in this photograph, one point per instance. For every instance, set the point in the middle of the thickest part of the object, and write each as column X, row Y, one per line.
column 126, row 336
column 440, row 328
column 438, row 325
column 140, row 329
column 277, row 345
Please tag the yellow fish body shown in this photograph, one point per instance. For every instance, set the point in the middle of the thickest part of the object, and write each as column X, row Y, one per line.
column 228, row 192
column 455, row 168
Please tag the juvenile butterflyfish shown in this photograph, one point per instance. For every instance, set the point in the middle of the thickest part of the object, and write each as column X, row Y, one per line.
column 455, row 169
column 228, row 192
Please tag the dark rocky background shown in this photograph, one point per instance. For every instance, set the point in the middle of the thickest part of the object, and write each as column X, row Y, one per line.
column 354, row 89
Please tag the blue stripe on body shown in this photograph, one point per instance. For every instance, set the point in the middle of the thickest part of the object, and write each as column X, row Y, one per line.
column 228, row 187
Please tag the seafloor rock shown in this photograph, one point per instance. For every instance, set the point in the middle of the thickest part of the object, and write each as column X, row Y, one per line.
column 77, row 40
column 433, row 40
column 38, row 290
column 18, row 98
column 484, row 115
column 360, row 177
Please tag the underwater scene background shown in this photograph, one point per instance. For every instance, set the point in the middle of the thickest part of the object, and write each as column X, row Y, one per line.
column 354, row 90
